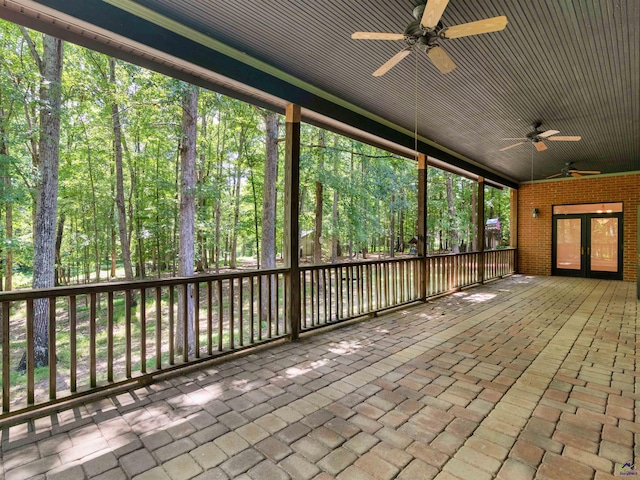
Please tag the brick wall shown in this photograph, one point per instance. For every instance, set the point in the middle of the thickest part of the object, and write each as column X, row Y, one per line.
column 534, row 234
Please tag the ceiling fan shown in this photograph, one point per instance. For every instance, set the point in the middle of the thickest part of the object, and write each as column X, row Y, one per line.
column 425, row 32
column 537, row 136
column 570, row 171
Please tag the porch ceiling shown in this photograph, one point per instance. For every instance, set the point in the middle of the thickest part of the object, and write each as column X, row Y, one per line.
column 574, row 65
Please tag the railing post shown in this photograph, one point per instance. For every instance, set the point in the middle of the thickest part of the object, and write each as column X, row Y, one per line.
column 513, row 233
column 291, row 213
column 481, row 228
column 422, row 225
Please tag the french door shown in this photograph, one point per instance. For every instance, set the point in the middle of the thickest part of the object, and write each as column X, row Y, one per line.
column 588, row 245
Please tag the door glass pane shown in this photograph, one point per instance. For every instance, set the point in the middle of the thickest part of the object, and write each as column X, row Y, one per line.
column 588, row 208
column 568, row 243
column 604, row 244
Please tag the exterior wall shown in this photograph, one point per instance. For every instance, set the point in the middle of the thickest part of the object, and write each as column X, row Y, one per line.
column 534, row 234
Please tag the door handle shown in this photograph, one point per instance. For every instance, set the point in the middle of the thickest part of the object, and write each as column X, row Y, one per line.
column 581, row 250
column 588, row 250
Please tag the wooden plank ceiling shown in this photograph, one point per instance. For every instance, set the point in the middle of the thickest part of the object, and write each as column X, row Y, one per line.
column 574, row 65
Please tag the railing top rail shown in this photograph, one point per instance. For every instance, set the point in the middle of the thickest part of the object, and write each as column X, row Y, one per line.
column 360, row 262
column 105, row 287
column 461, row 254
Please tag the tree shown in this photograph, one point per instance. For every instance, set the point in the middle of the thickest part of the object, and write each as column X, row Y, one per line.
column 50, row 66
column 453, row 231
column 125, row 244
column 268, row 236
column 187, row 216
column 317, row 231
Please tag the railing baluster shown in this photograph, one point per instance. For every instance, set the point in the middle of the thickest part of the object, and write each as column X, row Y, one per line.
column 6, row 372
column 185, row 321
column 231, row 315
column 324, row 293
column 92, row 340
column 53, row 377
column 313, row 297
column 252, row 309
column 281, row 287
column 270, row 305
column 240, row 312
column 196, row 318
column 172, row 305
column 360, row 289
column 261, row 289
column 341, row 292
column 127, row 320
column 30, row 353
column 158, row 328
column 143, row 330
column 220, row 315
column 73, row 354
column 333, row 303
column 210, row 317
column 303, row 298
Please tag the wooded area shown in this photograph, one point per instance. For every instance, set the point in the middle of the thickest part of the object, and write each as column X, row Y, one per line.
column 121, row 177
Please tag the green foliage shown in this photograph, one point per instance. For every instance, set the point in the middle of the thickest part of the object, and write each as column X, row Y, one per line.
column 375, row 191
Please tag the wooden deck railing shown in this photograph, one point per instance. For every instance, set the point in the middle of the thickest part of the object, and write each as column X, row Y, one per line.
column 333, row 293
column 113, row 334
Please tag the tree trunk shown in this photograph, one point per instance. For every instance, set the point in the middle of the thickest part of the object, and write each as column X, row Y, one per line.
column 317, row 231
column 8, row 204
column 59, row 272
column 187, row 218
column 453, row 232
column 236, row 214
column 401, row 231
column 256, row 226
column 268, row 235
column 392, row 228
column 47, row 190
column 474, row 219
column 120, row 201
column 334, row 228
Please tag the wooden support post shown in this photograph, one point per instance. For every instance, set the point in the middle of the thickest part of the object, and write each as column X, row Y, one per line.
column 638, row 240
column 481, row 228
column 422, row 224
column 513, row 233
column 291, row 224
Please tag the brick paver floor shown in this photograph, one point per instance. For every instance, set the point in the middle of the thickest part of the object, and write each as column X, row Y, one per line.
column 528, row 377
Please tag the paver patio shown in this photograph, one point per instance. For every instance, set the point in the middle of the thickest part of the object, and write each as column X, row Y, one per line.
column 528, row 377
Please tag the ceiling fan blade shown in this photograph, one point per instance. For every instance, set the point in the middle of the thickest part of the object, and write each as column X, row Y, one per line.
column 511, row 146
column 575, row 174
column 487, row 25
column 588, row 172
column 440, row 59
column 548, row 133
column 389, row 64
column 540, row 146
column 377, row 36
column 556, row 175
column 565, row 139
column 433, row 12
